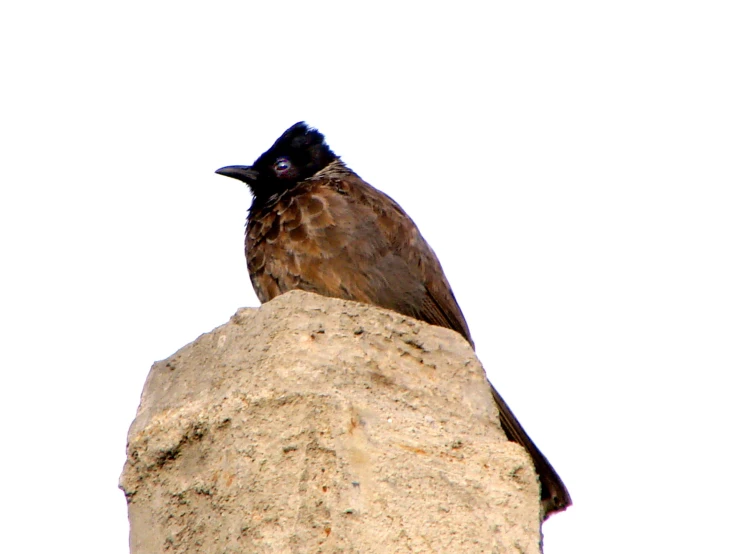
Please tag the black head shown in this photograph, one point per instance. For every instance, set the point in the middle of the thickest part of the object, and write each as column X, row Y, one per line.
column 297, row 155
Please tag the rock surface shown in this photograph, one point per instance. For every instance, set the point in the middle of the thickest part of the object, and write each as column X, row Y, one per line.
column 319, row 425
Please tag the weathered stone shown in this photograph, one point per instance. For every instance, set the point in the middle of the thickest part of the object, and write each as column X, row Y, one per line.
column 319, row 425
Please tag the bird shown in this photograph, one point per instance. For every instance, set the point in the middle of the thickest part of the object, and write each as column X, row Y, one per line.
column 315, row 225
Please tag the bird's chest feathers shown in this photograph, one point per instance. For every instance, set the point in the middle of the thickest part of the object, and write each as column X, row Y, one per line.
column 311, row 222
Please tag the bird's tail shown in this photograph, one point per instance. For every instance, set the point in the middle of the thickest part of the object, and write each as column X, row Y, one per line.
column 554, row 495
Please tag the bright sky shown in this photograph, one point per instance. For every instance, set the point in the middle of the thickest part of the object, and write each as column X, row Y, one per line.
column 573, row 164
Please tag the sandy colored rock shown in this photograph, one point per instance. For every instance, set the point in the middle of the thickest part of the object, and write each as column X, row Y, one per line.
column 319, row 425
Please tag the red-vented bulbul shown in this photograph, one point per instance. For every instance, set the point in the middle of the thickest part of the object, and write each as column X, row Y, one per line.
column 315, row 225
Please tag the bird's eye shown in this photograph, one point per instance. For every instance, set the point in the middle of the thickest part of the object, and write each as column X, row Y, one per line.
column 282, row 165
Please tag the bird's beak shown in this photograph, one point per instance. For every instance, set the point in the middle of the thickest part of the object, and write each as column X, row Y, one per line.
column 241, row 172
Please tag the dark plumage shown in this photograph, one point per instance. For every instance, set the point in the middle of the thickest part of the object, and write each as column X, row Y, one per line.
column 315, row 225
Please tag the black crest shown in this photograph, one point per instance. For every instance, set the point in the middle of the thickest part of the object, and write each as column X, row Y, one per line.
column 297, row 155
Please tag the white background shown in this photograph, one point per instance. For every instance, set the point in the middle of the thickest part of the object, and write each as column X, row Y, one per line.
column 573, row 164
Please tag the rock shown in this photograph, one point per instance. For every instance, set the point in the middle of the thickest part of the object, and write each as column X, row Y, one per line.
column 313, row 424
